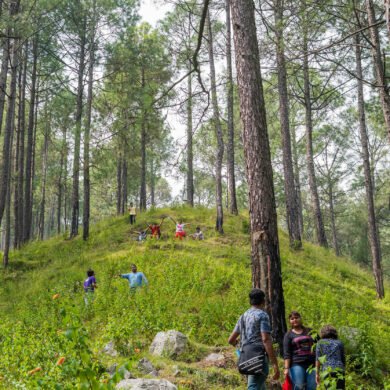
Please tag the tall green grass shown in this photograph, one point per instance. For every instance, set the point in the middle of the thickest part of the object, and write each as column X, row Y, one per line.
column 198, row 288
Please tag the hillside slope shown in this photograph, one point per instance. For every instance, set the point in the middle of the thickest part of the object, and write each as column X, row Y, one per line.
column 198, row 288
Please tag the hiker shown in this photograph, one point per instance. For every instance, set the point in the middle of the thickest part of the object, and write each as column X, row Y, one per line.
column 198, row 235
column 253, row 327
column 330, row 347
column 89, row 286
column 136, row 279
column 132, row 213
column 180, row 232
column 141, row 235
column 155, row 229
column 299, row 356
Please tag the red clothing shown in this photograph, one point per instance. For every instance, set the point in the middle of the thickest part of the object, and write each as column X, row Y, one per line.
column 180, row 235
column 155, row 230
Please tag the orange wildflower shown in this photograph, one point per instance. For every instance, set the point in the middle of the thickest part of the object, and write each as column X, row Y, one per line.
column 35, row 370
column 60, row 361
column 55, row 296
column 137, row 350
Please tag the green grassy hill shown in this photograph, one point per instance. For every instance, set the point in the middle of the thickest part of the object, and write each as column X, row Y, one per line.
column 198, row 288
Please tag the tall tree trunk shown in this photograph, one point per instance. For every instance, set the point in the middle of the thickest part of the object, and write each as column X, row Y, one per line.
column 372, row 225
column 266, row 265
column 119, row 184
column 61, row 179
column 3, row 77
column 152, row 183
column 332, row 216
column 124, row 186
column 318, row 220
column 9, row 125
column 190, row 154
column 230, row 104
column 7, row 240
column 142, row 195
column 292, row 211
column 86, row 178
column 297, row 179
column 41, row 220
column 19, row 163
column 378, row 64
column 28, row 177
column 74, row 230
column 218, row 131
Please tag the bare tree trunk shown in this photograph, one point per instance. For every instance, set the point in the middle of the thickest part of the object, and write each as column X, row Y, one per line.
column 61, row 179
column 266, row 265
column 87, row 132
column 9, row 125
column 3, row 77
column 292, row 211
column 28, row 177
column 297, row 180
column 41, row 221
column 124, row 186
column 230, row 104
column 318, row 220
column 218, row 131
column 378, row 64
column 190, row 154
column 19, row 161
column 74, row 231
column 7, row 240
column 372, row 225
column 142, row 195
column 119, row 184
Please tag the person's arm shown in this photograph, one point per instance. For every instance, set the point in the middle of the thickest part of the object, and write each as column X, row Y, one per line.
column 124, row 276
column 286, row 353
column 318, row 367
column 144, row 278
column 233, row 338
column 266, row 338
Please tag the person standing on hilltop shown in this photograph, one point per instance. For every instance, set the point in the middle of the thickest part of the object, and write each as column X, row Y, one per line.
column 132, row 213
column 136, row 279
column 253, row 327
column 299, row 354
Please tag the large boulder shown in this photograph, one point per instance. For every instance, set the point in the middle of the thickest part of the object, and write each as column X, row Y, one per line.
column 145, row 384
column 171, row 343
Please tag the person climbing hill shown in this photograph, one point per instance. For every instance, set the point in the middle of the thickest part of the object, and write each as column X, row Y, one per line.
column 136, row 279
column 180, row 232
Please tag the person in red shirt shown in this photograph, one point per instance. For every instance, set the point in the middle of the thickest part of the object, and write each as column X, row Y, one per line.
column 155, row 229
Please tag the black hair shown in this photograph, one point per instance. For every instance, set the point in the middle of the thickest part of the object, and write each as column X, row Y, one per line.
column 90, row 272
column 198, row 228
column 256, row 296
column 294, row 314
column 328, row 332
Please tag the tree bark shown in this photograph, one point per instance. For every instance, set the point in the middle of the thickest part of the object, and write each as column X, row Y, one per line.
column 87, row 132
column 41, row 220
column 292, row 212
column 10, row 123
column 190, row 154
column 74, row 231
column 318, row 220
column 3, row 77
column 19, row 161
column 218, row 131
column 142, row 197
column 372, row 225
column 266, row 265
column 28, row 177
column 119, row 184
column 230, row 104
column 378, row 64
column 124, row 186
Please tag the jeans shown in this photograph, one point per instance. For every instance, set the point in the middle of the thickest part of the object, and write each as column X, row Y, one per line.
column 301, row 379
column 257, row 382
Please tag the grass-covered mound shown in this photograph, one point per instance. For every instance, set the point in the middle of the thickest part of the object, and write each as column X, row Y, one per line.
column 198, row 288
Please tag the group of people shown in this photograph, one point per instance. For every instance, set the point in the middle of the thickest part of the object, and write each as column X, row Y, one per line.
column 305, row 356
column 155, row 228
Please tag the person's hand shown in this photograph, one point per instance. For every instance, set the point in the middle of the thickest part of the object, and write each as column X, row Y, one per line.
column 276, row 372
column 286, row 371
column 318, row 379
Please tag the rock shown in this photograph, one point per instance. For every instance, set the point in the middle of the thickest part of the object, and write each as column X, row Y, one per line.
column 145, row 384
column 171, row 343
column 177, row 371
column 126, row 374
column 112, row 369
column 215, row 359
column 110, row 350
column 145, row 366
